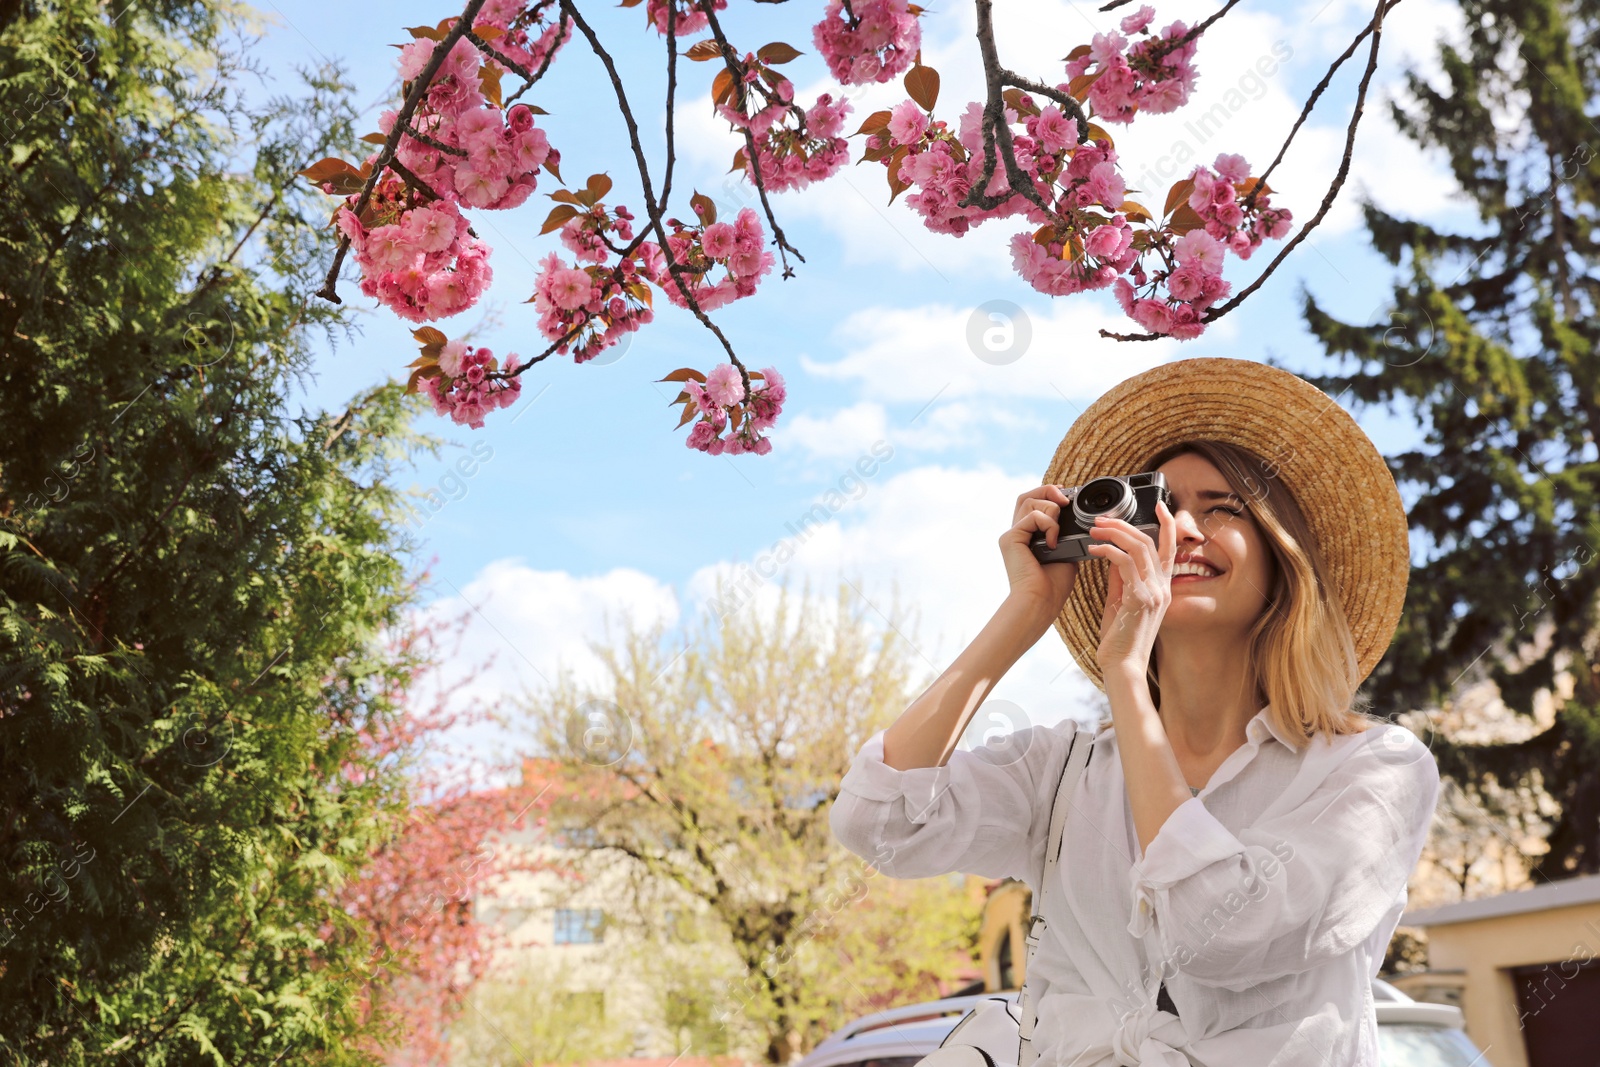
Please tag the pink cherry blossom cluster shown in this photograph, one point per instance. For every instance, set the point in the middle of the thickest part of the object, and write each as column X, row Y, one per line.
column 1218, row 197
column 1194, row 284
column 722, row 395
column 941, row 166
column 604, row 303
column 1193, row 278
column 1094, row 250
column 1153, row 75
column 463, row 389
column 871, row 41
column 691, row 18
column 792, row 157
column 515, row 18
column 735, row 246
column 584, row 235
column 767, row 97
column 494, row 158
column 417, row 259
column 415, row 249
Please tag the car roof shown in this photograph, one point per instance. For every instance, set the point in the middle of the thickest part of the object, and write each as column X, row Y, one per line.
column 917, row 1029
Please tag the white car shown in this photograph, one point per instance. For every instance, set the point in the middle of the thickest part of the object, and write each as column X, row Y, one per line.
column 1410, row 1033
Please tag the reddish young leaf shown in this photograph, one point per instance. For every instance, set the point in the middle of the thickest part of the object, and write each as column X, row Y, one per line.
column 739, row 162
column 489, row 82
column 536, row 109
column 701, row 51
column 324, row 170
column 564, row 196
column 598, row 186
column 1135, row 210
column 721, row 86
column 1044, row 235
column 432, row 370
column 1081, row 50
column 704, row 207
column 1178, row 194
column 1098, row 133
column 1013, row 99
column 558, row 217
column 375, row 138
column 777, row 52
column 1078, row 88
column 878, row 120
column 1245, row 187
column 429, row 335
column 690, row 410
column 896, row 186
column 1185, row 219
column 923, row 85
column 550, row 165
column 683, row 374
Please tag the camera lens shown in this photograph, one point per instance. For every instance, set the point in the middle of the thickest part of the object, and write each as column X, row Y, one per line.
column 1104, row 496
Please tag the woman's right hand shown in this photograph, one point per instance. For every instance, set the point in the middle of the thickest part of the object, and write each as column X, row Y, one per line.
column 1042, row 586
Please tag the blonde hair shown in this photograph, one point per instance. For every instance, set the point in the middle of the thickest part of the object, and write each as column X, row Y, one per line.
column 1301, row 654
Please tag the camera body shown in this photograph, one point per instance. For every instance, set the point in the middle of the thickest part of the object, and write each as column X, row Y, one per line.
column 1131, row 497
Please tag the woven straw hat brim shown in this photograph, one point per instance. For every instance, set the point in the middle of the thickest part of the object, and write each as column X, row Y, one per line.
column 1328, row 464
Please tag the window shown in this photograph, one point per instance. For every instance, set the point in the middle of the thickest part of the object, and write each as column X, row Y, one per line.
column 579, row 926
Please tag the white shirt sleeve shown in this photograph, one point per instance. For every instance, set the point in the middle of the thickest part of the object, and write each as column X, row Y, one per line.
column 1290, row 892
column 985, row 812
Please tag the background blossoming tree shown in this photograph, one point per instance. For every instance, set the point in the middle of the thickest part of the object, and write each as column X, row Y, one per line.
column 1034, row 149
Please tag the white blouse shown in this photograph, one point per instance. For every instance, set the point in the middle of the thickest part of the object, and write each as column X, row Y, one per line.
column 1265, row 903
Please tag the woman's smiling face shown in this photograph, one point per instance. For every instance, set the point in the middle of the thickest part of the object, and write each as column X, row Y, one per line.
column 1215, row 527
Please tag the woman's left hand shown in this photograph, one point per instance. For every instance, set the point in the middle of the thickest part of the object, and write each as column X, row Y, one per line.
column 1139, row 588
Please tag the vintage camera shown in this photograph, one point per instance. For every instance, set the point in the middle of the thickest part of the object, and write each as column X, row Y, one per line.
column 1130, row 497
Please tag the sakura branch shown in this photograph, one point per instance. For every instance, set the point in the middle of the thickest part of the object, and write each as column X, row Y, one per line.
column 1035, row 148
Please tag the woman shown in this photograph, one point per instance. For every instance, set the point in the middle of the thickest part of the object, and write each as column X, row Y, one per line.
column 1235, row 855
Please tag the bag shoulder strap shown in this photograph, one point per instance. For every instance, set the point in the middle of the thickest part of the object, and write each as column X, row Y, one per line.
column 1071, row 771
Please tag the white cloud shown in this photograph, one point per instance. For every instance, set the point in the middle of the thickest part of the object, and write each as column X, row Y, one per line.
column 917, row 354
column 533, row 622
column 924, row 539
column 928, row 535
column 849, row 432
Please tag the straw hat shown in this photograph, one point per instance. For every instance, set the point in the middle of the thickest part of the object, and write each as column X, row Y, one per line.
column 1331, row 468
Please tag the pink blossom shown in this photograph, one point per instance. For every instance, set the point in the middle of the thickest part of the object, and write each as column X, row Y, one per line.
column 878, row 47
column 1136, row 22
column 907, row 123
column 719, row 240
column 725, row 385
column 1232, row 167
column 570, row 288
column 1199, row 249
column 450, row 358
column 1054, row 129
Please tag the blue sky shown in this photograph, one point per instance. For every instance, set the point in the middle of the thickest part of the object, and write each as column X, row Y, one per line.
column 582, row 500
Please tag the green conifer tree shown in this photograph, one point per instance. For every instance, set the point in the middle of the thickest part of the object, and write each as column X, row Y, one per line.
column 192, row 577
column 1492, row 343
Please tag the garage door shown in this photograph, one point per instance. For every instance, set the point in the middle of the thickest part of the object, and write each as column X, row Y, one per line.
column 1558, row 1005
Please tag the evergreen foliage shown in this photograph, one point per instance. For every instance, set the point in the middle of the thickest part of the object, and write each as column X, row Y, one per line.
column 193, row 579
column 1492, row 344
